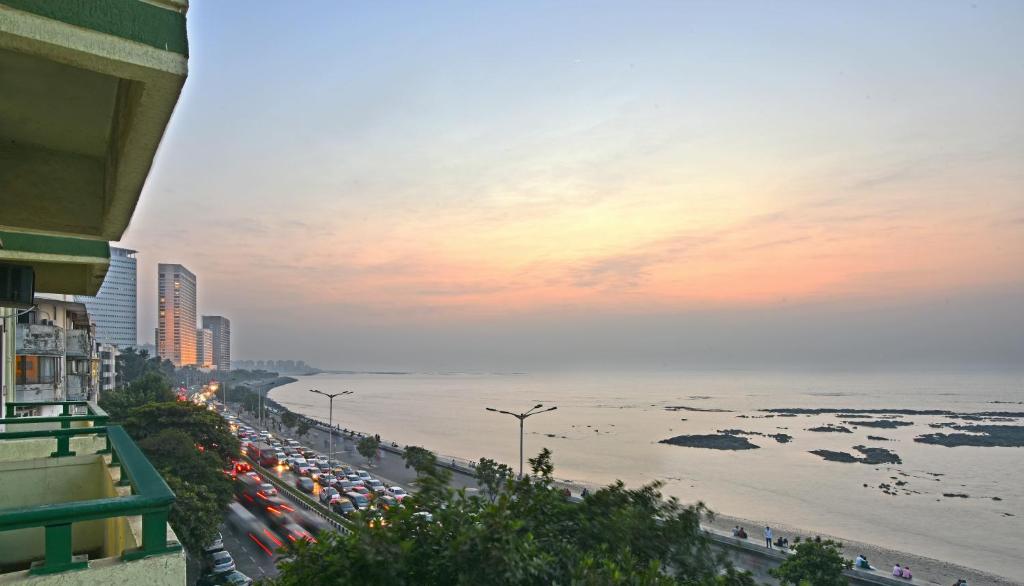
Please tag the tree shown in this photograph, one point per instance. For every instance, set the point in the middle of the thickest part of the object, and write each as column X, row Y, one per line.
column 419, row 459
column 303, row 427
column 814, row 562
column 529, row 535
column 150, row 388
column 289, row 419
column 201, row 488
column 189, row 445
column 367, row 447
column 492, row 476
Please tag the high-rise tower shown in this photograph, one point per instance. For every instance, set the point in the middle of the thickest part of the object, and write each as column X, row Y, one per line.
column 176, row 314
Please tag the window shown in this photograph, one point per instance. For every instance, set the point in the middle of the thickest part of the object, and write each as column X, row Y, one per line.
column 34, row 370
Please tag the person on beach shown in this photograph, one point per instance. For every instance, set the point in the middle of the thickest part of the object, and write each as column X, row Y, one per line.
column 906, row 573
column 736, row 531
column 768, row 536
column 743, row 533
column 897, row 571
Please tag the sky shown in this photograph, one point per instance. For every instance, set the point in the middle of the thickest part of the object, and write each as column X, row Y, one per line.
column 550, row 185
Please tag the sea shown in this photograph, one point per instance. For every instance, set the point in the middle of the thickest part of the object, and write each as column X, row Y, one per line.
column 963, row 505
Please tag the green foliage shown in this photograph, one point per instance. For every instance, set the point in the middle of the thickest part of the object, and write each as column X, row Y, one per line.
column 289, row 419
column 367, row 447
column 815, row 562
column 201, row 488
column 189, row 445
column 152, row 387
column 529, row 535
column 419, row 459
column 492, row 476
column 303, row 428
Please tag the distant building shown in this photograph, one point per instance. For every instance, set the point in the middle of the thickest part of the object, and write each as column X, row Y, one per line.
column 114, row 309
column 107, row 355
column 176, row 314
column 204, row 348
column 221, row 328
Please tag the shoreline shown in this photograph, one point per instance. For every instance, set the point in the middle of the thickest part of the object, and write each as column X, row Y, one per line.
column 927, row 570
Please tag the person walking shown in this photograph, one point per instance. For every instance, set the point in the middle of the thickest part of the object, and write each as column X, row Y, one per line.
column 768, row 536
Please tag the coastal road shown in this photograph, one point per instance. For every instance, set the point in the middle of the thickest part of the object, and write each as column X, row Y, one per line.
column 249, row 558
column 389, row 467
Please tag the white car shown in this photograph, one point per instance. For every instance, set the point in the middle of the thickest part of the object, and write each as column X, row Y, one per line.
column 398, row 492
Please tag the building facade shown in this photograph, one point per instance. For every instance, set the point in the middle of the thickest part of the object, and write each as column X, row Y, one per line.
column 54, row 354
column 106, row 355
column 221, row 328
column 114, row 309
column 176, row 314
column 204, row 348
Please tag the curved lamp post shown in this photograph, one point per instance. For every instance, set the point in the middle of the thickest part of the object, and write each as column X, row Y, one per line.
column 330, row 416
column 522, row 417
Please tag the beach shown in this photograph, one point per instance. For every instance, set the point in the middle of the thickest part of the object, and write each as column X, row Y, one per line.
column 608, row 428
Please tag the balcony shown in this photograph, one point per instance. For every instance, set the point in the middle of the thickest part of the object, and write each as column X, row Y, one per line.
column 39, row 340
column 79, row 496
column 78, row 344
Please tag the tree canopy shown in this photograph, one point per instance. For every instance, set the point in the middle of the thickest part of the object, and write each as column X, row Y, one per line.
column 530, row 534
column 367, row 447
column 814, row 562
column 151, row 387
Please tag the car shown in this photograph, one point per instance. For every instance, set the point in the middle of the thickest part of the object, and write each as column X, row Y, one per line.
column 233, row 578
column 327, row 494
column 295, row 532
column 268, row 489
column 344, row 485
column 426, row 516
column 292, row 443
column 326, row 480
column 305, row 484
column 303, row 470
column 373, row 484
column 380, row 489
column 364, row 475
column 398, row 492
column 216, row 545
column 296, row 462
column 281, row 456
column 314, row 473
column 353, row 477
column 387, row 501
column 343, row 506
column 361, row 502
column 220, row 562
column 361, row 490
column 346, row 470
column 309, row 454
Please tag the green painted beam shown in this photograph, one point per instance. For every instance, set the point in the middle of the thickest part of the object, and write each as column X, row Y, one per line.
column 62, row 264
column 134, row 20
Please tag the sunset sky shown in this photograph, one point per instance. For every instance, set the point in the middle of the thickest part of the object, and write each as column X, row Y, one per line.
column 459, row 185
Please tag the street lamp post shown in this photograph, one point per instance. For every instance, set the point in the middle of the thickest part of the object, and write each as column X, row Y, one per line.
column 330, row 415
column 522, row 418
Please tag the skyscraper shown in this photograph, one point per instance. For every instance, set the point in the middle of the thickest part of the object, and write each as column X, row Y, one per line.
column 176, row 314
column 221, row 328
column 114, row 309
column 204, row 348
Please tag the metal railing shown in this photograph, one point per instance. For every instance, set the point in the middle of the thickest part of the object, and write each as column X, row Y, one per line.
column 93, row 418
column 151, row 498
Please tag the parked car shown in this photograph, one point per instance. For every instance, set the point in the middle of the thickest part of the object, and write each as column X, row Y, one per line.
column 233, row 578
column 216, row 545
column 220, row 562
column 305, row 484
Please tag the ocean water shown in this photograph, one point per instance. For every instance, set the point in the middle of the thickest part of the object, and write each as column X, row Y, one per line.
column 608, row 425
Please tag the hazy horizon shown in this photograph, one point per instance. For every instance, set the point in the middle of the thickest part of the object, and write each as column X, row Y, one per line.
column 581, row 185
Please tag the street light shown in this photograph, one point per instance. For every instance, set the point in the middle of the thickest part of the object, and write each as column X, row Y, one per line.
column 522, row 417
column 330, row 416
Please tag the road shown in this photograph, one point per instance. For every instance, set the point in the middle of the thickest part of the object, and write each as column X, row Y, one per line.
column 389, row 467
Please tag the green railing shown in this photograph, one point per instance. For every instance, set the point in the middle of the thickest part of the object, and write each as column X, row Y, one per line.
column 151, row 498
column 96, row 417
